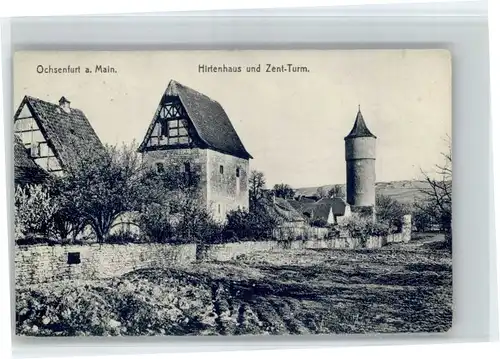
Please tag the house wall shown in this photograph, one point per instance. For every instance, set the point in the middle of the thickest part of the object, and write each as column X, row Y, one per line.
column 175, row 158
column 225, row 191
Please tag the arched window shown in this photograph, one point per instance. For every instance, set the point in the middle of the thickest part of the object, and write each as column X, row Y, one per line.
column 221, row 169
column 237, row 172
column 159, row 167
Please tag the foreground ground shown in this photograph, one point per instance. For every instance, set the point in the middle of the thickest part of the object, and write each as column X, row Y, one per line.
column 400, row 288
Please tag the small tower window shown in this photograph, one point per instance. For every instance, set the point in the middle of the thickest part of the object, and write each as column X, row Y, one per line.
column 159, row 167
column 221, row 169
column 237, row 172
column 187, row 167
column 218, row 208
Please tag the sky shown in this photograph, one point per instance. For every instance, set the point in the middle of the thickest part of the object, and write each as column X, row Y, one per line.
column 293, row 124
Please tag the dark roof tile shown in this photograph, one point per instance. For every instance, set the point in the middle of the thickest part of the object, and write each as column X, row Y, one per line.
column 68, row 133
column 209, row 120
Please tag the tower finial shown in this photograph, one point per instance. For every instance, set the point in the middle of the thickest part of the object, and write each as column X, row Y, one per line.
column 359, row 107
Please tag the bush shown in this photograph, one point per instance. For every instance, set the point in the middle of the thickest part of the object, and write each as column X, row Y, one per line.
column 33, row 240
column 154, row 223
column 333, row 232
column 123, row 237
column 319, row 222
column 34, row 212
column 390, row 212
column 255, row 224
column 363, row 227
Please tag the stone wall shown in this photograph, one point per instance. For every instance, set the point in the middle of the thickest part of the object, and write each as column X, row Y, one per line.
column 43, row 263
column 231, row 251
column 304, row 232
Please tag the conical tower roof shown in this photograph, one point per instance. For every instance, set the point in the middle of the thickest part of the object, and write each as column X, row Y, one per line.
column 360, row 129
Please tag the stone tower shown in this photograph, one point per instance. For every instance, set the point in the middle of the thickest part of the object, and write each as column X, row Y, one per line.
column 360, row 167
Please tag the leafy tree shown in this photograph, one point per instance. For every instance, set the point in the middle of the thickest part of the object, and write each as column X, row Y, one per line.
column 257, row 184
column 257, row 224
column 321, row 192
column 171, row 209
column 284, row 191
column 102, row 185
column 34, row 211
column 336, row 191
column 425, row 217
column 390, row 211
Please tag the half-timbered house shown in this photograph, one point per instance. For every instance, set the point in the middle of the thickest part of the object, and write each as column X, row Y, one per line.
column 192, row 132
column 53, row 135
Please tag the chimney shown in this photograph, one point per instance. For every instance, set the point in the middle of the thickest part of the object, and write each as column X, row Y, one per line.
column 64, row 103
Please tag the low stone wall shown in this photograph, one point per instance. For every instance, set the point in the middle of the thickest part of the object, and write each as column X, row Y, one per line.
column 304, row 232
column 43, row 263
column 231, row 251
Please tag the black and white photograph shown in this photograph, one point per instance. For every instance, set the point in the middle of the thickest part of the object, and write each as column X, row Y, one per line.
column 230, row 193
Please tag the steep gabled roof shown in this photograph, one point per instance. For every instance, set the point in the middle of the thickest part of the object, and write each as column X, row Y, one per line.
column 360, row 129
column 209, row 119
column 67, row 133
column 26, row 171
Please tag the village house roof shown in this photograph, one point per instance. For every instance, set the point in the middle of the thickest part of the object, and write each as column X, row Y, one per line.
column 279, row 209
column 360, row 129
column 26, row 171
column 209, row 120
column 320, row 209
column 67, row 131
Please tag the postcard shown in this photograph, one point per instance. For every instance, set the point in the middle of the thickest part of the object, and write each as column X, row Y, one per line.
column 232, row 193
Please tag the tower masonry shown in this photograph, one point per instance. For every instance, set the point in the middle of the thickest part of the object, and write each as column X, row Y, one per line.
column 360, row 167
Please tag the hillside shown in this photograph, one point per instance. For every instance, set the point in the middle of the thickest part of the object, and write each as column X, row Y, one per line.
column 403, row 191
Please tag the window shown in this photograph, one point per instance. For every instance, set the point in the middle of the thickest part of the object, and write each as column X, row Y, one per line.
column 74, row 258
column 53, row 164
column 44, row 149
column 218, row 208
column 221, row 169
column 187, row 167
column 237, row 172
column 35, row 150
column 159, row 167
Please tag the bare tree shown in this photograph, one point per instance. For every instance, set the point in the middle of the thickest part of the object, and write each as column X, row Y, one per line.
column 257, row 183
column 438, row 194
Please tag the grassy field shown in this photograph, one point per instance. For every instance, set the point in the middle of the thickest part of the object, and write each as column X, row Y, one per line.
column 399, row 288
